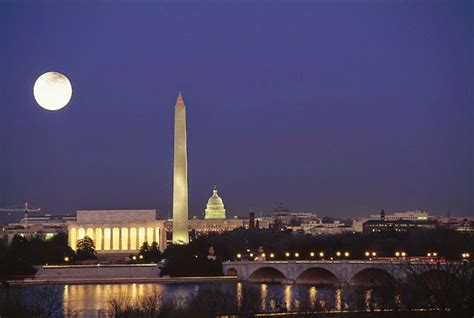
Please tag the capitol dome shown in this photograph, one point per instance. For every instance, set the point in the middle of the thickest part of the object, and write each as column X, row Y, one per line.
column 215, row 207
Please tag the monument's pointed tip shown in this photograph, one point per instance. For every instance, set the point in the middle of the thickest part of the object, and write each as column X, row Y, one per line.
column 180, row 99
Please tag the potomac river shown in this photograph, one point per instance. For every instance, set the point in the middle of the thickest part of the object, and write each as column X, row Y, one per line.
column 93, row 300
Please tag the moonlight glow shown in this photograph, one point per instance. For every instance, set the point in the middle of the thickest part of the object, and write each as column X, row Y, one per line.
column 52, row 90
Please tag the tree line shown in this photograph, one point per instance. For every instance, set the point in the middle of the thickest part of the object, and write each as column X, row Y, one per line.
column 192, row 259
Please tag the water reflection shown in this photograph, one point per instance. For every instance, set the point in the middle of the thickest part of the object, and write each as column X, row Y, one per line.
column 288, row 297
column 88, row 300
column 93, row 298
column 239, row 295
column 312, row 298
column 263, row 296
column 338, row 300
column 368, row 299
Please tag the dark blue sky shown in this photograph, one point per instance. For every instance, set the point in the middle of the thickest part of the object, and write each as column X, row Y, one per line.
column 338, row 108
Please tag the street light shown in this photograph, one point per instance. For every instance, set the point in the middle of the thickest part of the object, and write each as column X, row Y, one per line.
column 397, row 254
column 346, row 254
column 404, row 254
column 374, row 254
column 287, row 254
column 239, row 256
column 367, row 254
column 297, row 254
column 272, row 255
column 134, row 257
column 141, row 256
column 321, row 254
column 311, row 254
column 338, row 253
column 251, row 254
column 465, row 255
column 66, row 259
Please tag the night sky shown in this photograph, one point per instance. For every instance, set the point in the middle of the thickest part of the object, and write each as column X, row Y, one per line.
column 338, row 108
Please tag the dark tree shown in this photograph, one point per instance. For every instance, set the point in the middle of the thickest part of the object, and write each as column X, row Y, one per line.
column 154, row 255
column 144, row 248
column 85, row 249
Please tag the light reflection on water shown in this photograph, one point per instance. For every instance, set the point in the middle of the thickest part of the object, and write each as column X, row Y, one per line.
column 368, row 299
column 263, row 296
column 88, row 300
column 93, row 298
column 312, row 297
column 288, row 297
column 239, row 295
column 338, row 306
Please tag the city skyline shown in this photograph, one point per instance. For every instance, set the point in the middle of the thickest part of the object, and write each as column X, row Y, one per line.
column 318, row 120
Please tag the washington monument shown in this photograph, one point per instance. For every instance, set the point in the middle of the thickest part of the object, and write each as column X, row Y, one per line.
column 180, row 175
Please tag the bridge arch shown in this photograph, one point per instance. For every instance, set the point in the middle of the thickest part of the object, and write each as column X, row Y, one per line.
column 436, row 279
column 231, row 271
column 267, row 274
column 317, row 276
column 375, row 277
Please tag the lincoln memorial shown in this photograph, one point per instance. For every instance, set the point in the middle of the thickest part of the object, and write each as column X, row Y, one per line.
column 118, row 231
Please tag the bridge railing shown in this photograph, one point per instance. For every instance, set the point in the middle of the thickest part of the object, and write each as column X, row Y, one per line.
column 389, row 262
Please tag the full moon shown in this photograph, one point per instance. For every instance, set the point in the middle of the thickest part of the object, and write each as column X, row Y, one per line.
column 52, row 91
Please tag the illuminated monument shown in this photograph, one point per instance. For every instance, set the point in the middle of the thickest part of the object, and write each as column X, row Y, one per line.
column 180, row 175
column 118, row 231
column 215, row 207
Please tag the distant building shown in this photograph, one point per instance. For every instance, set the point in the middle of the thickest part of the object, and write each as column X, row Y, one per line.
column 43, row 227
column 320, row 228
column 251, row 220
column 49, row 220
column 282, row 216
column 404, row 216
column 201, row 226
column 264, row 222
column 399, row 222
column 465, row 226
column 358, row 224
column 457, row 223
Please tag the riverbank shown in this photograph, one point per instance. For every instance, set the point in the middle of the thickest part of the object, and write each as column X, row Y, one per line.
column 122, row 280
column 416, row 313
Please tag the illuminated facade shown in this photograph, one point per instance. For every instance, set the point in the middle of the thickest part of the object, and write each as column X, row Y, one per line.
column 405, row 216
column 217, row 225
column 215, row 207
column 118, row 231
column 180, row 175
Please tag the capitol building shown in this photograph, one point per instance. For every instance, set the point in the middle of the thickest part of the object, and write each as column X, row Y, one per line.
column 215, row 207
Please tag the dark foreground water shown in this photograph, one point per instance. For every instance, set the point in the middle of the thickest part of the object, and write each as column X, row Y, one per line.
column 95, row 300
